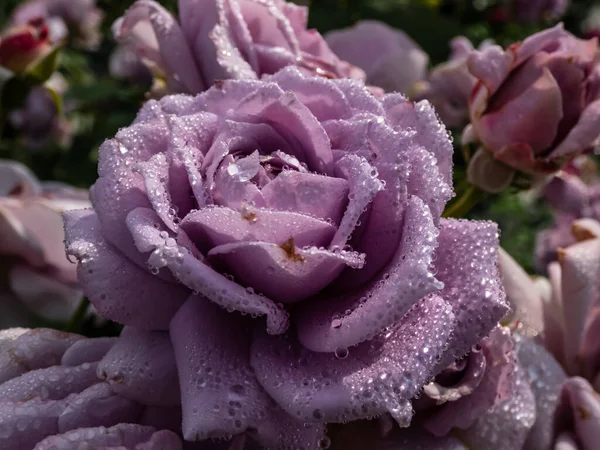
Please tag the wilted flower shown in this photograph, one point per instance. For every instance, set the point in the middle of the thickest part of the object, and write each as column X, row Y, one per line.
column 449, row 85
column 80, row 19
column 389, row 57
column 293, row 197
column 54, row 393
column 34, row 266
column 538, row 10
column 22, row 45
column 221, row 39
column 536, row 104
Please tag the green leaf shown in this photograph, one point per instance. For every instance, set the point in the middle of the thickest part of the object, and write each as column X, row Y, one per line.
column 43, row 69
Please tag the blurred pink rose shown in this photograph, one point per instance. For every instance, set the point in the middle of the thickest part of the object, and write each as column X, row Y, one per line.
column 38, row 120
column 32, row 255
column 536, row 104
column 389, row 57
column 21, row 45
column 80, row 19
column 449, row 84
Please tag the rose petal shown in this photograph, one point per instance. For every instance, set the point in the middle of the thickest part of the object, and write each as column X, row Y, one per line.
column 155, row 172
column 23, row 424
column 141, row 367
column 284, row 112
column 579, row 408
column 364, row 381
column 122, row 436
column 23, row 350
column 530, row 116
column 406, row 279
column 199, row 277
column 545, row 377
column 364, row 184
column 16, row 240
column 283, row 272
column 496, row 386
column 467, row 263
column 580, row 287
column 51, row 383
column 491, row 66
column 97, row 406
column 431, row 134
column 210, row 227
column 106, row 277
column 220, row 394
column 307, row 193
column 472, row 369
column 583, row 135
column 44, row 293
column 172, row 45
column 506, row 425
column 324, row 100
column 522, row 295
column 17, row 178
column 87, row 350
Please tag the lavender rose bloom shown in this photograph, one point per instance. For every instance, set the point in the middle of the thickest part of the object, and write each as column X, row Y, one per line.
column 536, row 104
column 51, row 396
column 303, row 201
column 449, row 85
column 389, row 57
column 221, row 39
column 38, row 276
column 80, row 19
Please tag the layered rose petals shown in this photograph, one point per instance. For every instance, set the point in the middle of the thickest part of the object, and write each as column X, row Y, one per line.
column 302, row 204
column 46, row 403
column 534, row 106
column 221, row 39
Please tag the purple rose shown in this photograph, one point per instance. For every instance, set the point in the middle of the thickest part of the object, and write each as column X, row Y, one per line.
column 80, row 18
column 306, row 202
column 389, row 57
column 40, row 278
column 449, row 85
column 51, row 396
column 222, row 39
column 536, row 104
column 38, row 120
column 571, row 199
column 519, row 377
